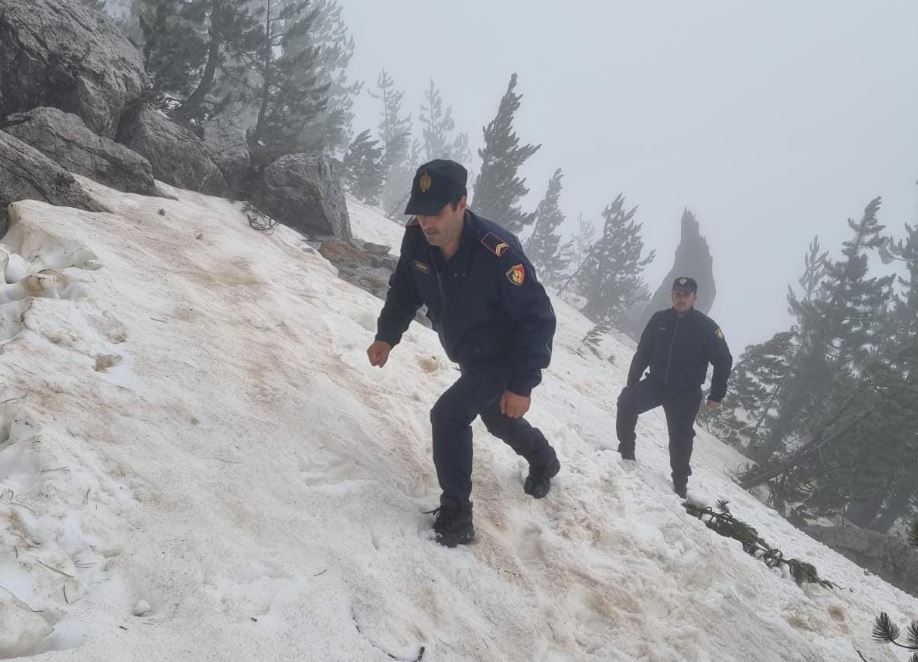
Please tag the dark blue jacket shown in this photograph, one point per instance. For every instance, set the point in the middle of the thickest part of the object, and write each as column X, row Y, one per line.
column 678, row 351
column 485, row 303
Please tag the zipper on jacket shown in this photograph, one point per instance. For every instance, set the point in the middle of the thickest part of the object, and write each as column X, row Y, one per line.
column 669, row 357
column 442, row 324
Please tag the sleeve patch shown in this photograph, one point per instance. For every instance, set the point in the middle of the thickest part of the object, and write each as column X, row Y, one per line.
column 495, row 244
column 517, row 274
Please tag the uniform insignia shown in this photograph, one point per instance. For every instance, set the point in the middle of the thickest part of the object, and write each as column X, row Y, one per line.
column 420, row 266
column 495, row 244
column 425, row 182
column 683, row 281
column 719, row 333
column 517, row 274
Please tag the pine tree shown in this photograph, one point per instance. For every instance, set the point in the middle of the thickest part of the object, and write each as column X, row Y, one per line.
column 499, row 187
column 544, row 247
column 289, row 94
column 174, row 47
column 583, row 241
column 610, row 276
column 827, row 410
column 395, row 137
column 363, row 168
column 439, row 130
column 329, row 36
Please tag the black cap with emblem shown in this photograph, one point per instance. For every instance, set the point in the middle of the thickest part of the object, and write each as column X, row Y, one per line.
column 685, row 284
column 435, row 184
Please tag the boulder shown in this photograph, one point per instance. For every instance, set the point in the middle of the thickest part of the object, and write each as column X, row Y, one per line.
column 177, row 155
column 304, row 192
column 66, row 140
column 225, row 143
column 63, row 54
column 27, row 174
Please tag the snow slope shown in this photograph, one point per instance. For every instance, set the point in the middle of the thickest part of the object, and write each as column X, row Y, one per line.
column 190, row 430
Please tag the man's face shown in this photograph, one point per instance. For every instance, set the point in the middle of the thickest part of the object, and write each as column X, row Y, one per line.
column 443, row 228
column 683, row 300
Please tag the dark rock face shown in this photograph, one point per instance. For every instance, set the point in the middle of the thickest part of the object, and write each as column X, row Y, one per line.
column 361, row 267
column 693, row 258
column 66, row 140
column 177, row 155
column 62, row 54
column 27, row 174
column 304, row 192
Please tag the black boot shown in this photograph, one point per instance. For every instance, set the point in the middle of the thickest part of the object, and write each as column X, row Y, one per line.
column 538, row 482
column 626, row 451
column 680, row 487
column 453, row 522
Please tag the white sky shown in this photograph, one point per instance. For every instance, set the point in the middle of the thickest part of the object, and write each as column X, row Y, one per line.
column 190, row 429
column 773, row 121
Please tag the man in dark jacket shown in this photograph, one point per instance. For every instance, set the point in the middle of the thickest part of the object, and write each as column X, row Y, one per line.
column 493, row 318
column 677, row 344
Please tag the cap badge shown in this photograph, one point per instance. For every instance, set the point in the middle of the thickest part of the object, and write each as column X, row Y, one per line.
column 425, row 182
column 683, row 281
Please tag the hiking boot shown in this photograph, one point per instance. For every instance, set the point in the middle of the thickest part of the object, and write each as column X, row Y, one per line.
column 453, row 522
column 538, row 482
column 626, row 451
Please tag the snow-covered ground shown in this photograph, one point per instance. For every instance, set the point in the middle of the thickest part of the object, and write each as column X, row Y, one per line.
column 190, row 430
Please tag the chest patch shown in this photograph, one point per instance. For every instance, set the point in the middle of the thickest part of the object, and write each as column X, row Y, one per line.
column 420, row 266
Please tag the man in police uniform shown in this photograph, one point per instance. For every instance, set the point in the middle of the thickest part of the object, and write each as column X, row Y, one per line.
column 677, row 344
column 494, row 319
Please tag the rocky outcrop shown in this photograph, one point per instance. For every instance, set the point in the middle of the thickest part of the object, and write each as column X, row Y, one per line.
column 27, row 174
column 887, row 556
column 177, row 155
column 368, row 267
column 693, row 258
column 225, row 143
column 65, row 139
column 304, row 192
column 62, row 54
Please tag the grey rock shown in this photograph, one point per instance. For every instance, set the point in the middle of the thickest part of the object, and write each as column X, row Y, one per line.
column 225, row 143
column 62, row 54
column 304, row 192
column 693, row 258
column 66, row 140
column 177, row 155
column 27, row 174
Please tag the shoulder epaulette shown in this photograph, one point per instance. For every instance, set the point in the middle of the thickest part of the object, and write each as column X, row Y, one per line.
column 495, row 244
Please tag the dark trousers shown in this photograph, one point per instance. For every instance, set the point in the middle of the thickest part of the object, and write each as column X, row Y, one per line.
column 478, row 392
column 681, row 407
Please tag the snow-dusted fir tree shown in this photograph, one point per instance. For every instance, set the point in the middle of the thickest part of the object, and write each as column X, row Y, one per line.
column 395, row 138
column 548, row 253
column 363, row 168
column 610, row 277
column 438, row 129
column 499, row 187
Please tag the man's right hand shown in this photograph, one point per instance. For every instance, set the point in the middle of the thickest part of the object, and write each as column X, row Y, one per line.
column 378, row 353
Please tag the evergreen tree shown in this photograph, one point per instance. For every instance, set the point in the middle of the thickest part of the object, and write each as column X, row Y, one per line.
column 173, row 43
column 439, row 130
column 329, row 36
column 395, row 137
column 583, row 241
column 289, row 95
column 835, row 401
column 544, row 247
column 363, row 168
column 499, row 187
column 610, row 277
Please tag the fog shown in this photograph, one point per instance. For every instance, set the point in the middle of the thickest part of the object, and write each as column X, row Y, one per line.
column 773, row 122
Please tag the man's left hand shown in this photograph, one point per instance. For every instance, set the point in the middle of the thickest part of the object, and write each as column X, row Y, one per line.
column 712, row 405
column 513, row 405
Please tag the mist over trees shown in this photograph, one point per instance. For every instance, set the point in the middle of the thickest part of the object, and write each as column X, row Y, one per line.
column 827, row 408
